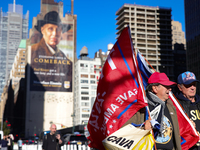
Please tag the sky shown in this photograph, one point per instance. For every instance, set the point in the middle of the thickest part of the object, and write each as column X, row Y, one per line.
column 96, row 24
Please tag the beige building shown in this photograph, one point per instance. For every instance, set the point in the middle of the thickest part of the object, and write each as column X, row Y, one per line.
column 178, row 36
column 151, row 33
column 18, row 68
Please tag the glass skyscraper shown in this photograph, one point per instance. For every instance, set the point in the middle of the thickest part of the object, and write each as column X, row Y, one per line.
column 13, row 28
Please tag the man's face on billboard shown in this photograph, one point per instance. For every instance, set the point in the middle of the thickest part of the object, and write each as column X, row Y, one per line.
column 51, row 34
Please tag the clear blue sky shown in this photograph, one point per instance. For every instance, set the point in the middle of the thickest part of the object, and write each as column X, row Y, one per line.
column 96, row 19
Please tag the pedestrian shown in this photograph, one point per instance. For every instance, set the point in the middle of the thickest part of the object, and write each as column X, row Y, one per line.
column 52, row 140
column 4, row 143
column 190, row 101
column 19, row 142
column 162, row 111
column 10, row 141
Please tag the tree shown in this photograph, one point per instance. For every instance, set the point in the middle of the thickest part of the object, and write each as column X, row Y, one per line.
column 6, row 128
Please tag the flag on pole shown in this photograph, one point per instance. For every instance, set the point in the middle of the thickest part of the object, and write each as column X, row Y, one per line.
column 189, row 135
column 119, row 94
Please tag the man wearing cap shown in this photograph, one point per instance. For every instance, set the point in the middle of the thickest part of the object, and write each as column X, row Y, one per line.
column 189, row 100
column 50, row 66
column 162, row 111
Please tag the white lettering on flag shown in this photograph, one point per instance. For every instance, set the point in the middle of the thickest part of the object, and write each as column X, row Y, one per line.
column 111, row 63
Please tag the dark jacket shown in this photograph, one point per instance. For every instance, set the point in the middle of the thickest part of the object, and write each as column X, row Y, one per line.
column 46, row 143
column 186, row 102
column 48, row 68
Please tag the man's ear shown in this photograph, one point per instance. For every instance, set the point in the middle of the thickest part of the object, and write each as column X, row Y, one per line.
column 42, row 28
column 179, row 87
column 154, row 89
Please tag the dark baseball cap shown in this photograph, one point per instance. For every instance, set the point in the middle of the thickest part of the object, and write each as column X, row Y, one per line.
column 186, row 78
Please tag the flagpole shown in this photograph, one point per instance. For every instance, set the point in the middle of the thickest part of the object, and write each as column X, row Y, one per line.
column 140, row 79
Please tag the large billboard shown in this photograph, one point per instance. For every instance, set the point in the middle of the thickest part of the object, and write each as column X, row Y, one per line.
column 52, row 54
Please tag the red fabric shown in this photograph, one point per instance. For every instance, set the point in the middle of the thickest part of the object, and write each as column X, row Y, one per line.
column 117, row 90
column 188, row 133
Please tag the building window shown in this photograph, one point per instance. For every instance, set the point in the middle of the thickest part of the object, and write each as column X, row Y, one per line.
column 84, row 81
column 84, row 104
column 84, row 87
column 84, row 92
column 93, row 87
column 92, row 76
column 84, row 98
column 85, row 115
column 93, row 92
column 92, row 81
column 85, row 110
column 84, row 76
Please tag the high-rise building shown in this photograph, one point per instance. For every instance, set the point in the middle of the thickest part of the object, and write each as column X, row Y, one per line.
column 87, row 73
column 179, row 48
column 13, row 28
column 151, row 34
column 192, row 28
column 178, row 36
column 102, row 55
column 49, row 73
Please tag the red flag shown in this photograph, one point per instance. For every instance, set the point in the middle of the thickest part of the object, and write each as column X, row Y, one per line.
column 189, row 135
column 119, row 94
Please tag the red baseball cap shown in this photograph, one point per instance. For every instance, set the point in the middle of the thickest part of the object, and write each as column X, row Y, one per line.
column 161, row 78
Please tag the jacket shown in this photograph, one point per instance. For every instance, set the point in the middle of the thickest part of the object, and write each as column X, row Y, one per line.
column 139, row 118
column 186, row 102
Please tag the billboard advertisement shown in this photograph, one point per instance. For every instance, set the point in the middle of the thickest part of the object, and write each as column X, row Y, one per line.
column 52, row 54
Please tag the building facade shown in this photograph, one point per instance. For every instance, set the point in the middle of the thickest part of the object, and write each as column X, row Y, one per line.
column 87, row 73
column 151, row 34
column 192, row 28
column 178, row 36
column 18, row 68
column 50, row 76
column 179, row 48
column 13, row 28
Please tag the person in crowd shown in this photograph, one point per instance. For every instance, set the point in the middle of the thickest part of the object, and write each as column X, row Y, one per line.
column 4, row 143
column 10, row 139
column 52, row 140
column 19, row 142
column 162, row 111
column 190, row 101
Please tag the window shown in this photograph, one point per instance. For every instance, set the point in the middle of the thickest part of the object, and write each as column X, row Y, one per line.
column 84, row 87
column 84, row 98
column 84, row 76
column 93, row 87
column 85, row 110
column 84, row 92
column 84, row 81
column 92, row 81
column 84, row 104
column 85, row 115
column 92, row 76
column 93, row 92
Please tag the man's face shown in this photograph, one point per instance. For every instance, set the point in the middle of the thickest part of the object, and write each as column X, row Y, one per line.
column 162, row 91
column 189, row 90
column 51, row 34
column 53, row 129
